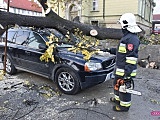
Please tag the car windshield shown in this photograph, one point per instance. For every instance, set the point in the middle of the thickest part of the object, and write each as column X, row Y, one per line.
column 157, row 29
column 61, row 38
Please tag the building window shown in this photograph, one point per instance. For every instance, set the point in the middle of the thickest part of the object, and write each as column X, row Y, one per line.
column 148, row 11
column 143, row 8
column 140, row 6
column 94, row 23
column 14, row 9
column 18, row 11
column 95, row 5
column 73, row 11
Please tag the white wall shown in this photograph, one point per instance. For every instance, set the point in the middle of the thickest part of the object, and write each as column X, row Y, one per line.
column 24, row 12
column 19, row 11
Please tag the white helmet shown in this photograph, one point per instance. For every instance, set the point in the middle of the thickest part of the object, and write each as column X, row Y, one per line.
column 128, row 21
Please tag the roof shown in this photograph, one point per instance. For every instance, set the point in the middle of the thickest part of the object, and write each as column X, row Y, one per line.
column 25, row 4
column 156, row 17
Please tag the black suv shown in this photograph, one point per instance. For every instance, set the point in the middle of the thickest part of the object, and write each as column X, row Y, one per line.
column 70, row 71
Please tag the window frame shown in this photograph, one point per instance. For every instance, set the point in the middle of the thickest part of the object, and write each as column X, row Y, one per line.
column 27, row 42
column 23, row 39
column 95, row 5
column 10, row 39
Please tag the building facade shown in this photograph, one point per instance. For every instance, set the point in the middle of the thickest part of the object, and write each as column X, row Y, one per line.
column 107, row 12
column 24, row 7
column 103, row 13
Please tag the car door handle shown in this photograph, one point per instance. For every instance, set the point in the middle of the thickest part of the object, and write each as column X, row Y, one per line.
column 27, row 52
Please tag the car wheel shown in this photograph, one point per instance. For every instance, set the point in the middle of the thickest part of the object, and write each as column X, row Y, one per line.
column 67, row 81
column 10, row 68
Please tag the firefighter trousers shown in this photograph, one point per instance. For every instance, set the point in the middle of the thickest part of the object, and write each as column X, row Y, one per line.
column 124, row 98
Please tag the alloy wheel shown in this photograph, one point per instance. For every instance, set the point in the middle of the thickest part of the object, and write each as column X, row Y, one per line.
column 66, row 81
column 8, row 65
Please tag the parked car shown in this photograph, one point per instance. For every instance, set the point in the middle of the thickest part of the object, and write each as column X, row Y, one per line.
column 156, row 31
column 70, row 71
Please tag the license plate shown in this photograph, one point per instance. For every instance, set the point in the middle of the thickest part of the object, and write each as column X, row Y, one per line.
column 109, row 76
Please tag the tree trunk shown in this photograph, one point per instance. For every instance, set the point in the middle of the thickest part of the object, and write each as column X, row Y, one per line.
column 52, row 20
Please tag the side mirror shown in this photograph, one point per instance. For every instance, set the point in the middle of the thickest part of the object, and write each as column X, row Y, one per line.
column 42, row 46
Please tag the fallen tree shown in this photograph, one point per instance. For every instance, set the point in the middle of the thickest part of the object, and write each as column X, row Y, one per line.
column 52, row 20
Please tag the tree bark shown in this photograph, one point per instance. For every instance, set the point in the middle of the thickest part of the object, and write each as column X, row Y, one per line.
column 52, row 20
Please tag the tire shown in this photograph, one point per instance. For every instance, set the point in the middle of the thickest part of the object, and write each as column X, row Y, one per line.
column 67, row 81
column 10, row 68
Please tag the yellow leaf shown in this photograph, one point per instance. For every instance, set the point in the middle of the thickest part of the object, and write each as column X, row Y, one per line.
column 52, row 58
column 2, row 73
column 47, row 43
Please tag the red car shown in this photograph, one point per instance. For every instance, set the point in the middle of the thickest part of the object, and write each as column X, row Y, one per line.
column 156, row 31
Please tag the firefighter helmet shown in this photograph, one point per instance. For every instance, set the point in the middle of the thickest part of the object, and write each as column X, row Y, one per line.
column 128, row 21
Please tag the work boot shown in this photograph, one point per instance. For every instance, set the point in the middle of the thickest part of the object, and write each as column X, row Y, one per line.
column 119, row 108
column 112, row 99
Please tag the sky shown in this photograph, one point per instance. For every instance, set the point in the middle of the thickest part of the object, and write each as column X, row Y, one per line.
column 157, row 8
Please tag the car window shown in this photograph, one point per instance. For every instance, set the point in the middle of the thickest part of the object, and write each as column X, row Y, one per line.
column 34, row 40
column 57, row 34
column 10, row 36
column 157, row 29
column 21, row 37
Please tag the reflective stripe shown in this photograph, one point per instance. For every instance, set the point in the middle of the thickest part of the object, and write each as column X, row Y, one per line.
column 134, row 73
column 131, row 60
column 122, row 48
column 120, row 72
column 116, row 97
column 125, row 104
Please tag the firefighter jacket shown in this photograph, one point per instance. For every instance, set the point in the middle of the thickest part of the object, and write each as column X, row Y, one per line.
column 127, row 55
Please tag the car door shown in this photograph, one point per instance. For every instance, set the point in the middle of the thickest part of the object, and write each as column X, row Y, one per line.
column 10, row 37
column 17, row 48
column 32, row 54
column 15, row 38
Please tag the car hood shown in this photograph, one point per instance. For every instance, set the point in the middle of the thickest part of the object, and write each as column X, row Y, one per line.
column 99, row 57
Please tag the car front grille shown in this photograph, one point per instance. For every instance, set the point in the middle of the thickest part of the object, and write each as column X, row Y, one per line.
column 108, row 64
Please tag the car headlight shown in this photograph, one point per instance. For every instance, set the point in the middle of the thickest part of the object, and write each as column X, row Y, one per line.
column 92, row 66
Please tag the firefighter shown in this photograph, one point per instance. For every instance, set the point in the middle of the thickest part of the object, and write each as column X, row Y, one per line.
column 126, row 60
